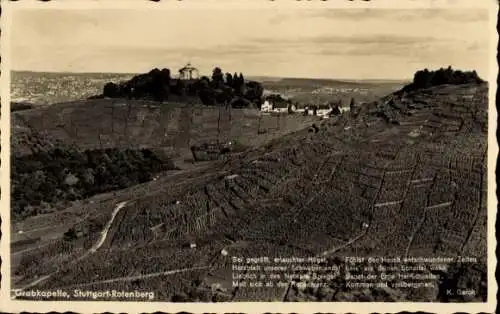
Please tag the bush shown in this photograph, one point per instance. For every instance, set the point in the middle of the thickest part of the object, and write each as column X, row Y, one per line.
column 70, row 235
column 17, row 106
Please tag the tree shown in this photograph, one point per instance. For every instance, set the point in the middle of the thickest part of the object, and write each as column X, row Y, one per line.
column 202, row 83
column 70, row 234
column 165, row 74
column 439, row 77
column 352, row 105
column 254, row 92
column 208, row 97
column 217, row 77
column 422, row 79
column 225, row 95
column 335, row 109
column 160, row 85
column 110, row 90
column 179, row 88
column 240, row 102
column 229, row 80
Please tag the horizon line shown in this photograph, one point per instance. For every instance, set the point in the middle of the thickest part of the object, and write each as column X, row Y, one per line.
column 347, row 80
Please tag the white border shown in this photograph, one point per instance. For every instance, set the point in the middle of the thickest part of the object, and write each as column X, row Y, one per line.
column 9, row 305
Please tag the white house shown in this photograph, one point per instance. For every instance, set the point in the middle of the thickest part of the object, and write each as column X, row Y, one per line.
column 324, row 113
column 266, row 106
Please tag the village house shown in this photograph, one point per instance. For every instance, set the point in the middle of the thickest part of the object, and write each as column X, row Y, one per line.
column 280, row 106
column 323, row 110
column 277, row 104
column 266, row 106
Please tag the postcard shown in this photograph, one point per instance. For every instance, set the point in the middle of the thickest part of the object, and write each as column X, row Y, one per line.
column 248, row 156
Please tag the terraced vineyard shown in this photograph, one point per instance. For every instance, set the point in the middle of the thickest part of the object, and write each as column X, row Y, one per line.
column 405, row 176
column 123, row 123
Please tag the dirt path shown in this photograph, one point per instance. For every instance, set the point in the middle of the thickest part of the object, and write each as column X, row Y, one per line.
column 29, row 249
column 92, row 250
column 144, row 276
column 104, row 232
column 34, row 283
column 348, row 243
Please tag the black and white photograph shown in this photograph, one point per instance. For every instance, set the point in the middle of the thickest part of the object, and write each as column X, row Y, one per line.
column 207, row 154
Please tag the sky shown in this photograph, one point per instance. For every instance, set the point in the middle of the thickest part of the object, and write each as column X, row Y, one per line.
column 314, row 43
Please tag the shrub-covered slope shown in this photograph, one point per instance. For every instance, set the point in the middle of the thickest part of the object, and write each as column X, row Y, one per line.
column 48, row 178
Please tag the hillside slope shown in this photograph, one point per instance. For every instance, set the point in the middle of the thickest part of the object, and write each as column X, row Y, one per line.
column 104, row 123
column 405, row 176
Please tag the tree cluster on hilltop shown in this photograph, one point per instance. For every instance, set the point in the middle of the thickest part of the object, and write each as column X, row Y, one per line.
column 219, row 89
column 425, row 78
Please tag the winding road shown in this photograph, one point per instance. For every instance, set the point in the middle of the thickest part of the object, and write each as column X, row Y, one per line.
column 104, row 232
column 93, row 249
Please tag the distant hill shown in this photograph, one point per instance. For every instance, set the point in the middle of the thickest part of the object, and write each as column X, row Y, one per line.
column 323, row 81
column 59, row 74
column 307, row 91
